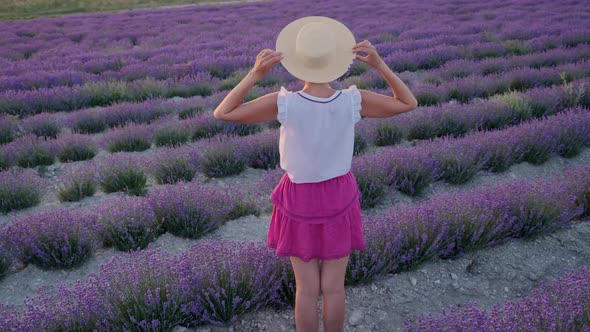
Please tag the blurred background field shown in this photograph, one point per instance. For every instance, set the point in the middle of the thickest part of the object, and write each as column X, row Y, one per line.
column 25, row 9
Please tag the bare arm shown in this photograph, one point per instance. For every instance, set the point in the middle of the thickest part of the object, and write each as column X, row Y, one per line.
column 258, row 110
column 235, row 96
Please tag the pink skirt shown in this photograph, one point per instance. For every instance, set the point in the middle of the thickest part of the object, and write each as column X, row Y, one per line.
column 316, row 220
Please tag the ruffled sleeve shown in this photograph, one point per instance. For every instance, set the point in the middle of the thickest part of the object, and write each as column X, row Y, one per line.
column 355, row 96
column 282, row 105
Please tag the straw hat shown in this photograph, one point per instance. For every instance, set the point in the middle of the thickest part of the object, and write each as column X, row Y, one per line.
column 316, row 49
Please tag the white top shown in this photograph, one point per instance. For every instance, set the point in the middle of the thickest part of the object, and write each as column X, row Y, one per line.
column 317, row 134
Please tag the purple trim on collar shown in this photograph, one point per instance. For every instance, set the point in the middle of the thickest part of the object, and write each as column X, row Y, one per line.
column 317, row 101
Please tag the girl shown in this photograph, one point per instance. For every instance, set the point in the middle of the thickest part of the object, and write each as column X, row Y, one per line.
column 316, row 219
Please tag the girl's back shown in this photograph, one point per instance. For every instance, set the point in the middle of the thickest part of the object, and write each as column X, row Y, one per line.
column 317, row 134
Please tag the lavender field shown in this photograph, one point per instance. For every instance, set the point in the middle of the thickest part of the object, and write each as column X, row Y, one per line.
column 126, row 206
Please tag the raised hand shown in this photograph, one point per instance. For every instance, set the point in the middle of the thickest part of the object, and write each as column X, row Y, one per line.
column 265, row 60
column 372, row 58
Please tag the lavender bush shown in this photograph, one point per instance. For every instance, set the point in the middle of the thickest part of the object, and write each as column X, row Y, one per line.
column 121, row 114
column 263, row 149
column 539, row 140
column 247, row 202
column 222, row 157
column 129, row 138
column 122, row 172
column 20, row 189
column 171, row 165
column 457, row 159
column 75, row 147
column 8, row 128
column 128, row 223
column 46, row 125
column 437, row 121
column 234, row 79
column 204, row 126
column 387, row 134
column 545, row 101
column 572, row 131
column 189, row 209
column 360, row 144
column 240, row 129
column 539, row 211
column 171, row 134
column 77, row 182
column 143, row 292
column 61, row 307
column 53, row 239
column 576, row 93
column 384, row 241
column 429, row 93
column 188, row 86
column 411, row 170
column 502, row 152
column 5, row 258
column 578, row 180
column 89, row 121
column 4, row 160
column 30, row 151
column 231, row 285
column 519, row 108
column 190, row 111
column 265, row 185
column 370, row 176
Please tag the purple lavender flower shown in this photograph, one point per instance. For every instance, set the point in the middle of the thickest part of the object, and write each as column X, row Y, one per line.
column 46, row 125
column 77, row 182
column 231, row 286
column 128, row 222
column 561, row 304
column 20, row 189
column 75, row 147
column 57, row 238
column 189, row 209
column 122, row 172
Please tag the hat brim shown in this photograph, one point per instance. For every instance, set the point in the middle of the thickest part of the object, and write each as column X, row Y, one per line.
column 338, row 62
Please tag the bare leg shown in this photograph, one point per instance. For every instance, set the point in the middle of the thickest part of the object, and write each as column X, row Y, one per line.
column 307, row 291
column 332, row 288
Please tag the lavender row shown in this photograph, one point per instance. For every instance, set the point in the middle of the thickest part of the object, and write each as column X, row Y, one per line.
column 161, row 130
column 65, row 237
column 149, row 289
column 496, row 112
column 68, row 147
column 65, row 98
column 453, row 160
column 561, row 305
column 217, row 156
column 463, row 65
column 409, row 170
column 474, row 86
column 466, row 66
column 456, row 160
column 95, row 120
column 26, row 103
column 70, row 44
